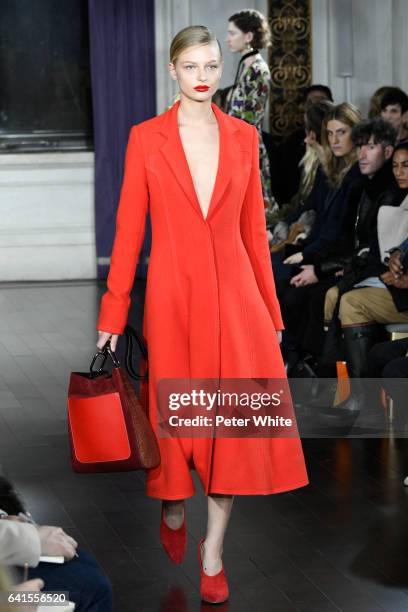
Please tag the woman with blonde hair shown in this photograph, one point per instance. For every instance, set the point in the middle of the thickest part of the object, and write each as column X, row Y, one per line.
column 297, row 217
column 211, row 310
column 339, row 152
column 337, row 182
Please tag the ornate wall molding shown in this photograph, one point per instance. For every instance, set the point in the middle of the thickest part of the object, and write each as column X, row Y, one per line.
column 290, row 62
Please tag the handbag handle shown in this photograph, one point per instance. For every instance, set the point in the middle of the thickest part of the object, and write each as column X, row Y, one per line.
column 104, row 353
column 132, row 336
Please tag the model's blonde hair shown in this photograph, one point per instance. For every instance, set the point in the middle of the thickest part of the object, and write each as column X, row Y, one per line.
column 191, row 37
column 336, row 168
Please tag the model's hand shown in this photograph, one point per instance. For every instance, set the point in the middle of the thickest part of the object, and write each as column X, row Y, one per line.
column 339, row 273
column 306, row 277
column 279, row 336
column 294, row 259
column 395, row 265
column 104, row 336
column 55, row 542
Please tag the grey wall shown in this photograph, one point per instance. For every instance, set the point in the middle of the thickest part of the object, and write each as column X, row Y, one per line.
column 380, row 47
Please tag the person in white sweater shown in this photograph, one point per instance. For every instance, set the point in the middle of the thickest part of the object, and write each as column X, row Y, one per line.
column 24, row 544
column 21, row 542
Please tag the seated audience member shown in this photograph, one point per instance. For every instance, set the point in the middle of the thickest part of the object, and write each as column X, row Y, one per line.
column 375, row 140
column 297, row 218
column 293, row 149
column 334, row 187
column 373, row 294
column 22, row 541
column 374, row 109
column 394, row 108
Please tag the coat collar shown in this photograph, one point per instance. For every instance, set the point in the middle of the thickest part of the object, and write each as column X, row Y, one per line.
column 173, row 151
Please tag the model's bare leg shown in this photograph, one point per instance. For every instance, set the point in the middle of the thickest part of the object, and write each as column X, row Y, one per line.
column 219, row 510
column 173, row 512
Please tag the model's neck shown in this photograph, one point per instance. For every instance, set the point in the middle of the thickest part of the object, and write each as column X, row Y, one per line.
column 250, row 52
column 191, row 112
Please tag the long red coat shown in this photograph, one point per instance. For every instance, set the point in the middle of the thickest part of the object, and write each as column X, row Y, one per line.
column 210, row 308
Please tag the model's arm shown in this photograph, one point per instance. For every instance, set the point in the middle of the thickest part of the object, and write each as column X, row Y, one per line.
column 253, row 231
column 130, row 229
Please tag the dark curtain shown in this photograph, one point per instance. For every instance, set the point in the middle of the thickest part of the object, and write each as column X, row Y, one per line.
column 123, row 93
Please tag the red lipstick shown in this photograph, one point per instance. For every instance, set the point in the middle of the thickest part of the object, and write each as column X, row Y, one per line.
column 202, row 88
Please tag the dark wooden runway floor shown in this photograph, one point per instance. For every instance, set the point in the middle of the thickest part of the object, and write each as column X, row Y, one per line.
column 339, row 544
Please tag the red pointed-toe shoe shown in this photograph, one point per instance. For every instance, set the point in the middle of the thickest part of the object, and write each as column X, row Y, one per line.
column 213, row 589
column 173, row 540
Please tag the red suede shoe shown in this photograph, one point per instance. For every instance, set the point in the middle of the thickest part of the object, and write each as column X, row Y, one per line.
column 213, row 589
column 173, row 540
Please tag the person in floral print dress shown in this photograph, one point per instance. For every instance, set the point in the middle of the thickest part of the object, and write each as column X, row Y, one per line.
column 247, row 32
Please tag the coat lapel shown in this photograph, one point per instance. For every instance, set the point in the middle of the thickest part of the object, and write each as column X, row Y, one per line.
column 226, row 164
column 173, row 152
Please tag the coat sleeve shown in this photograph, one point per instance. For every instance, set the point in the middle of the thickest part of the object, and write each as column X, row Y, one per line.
column 253, row 232
column 19, row 543
column 130, row 229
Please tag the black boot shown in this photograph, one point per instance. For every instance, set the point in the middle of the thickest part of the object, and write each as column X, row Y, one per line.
column 326, row 368
column 358, row 340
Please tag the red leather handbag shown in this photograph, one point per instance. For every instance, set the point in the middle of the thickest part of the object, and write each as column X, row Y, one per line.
column 109, row 429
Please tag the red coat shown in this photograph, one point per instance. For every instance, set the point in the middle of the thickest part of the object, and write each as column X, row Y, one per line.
column 210, row 308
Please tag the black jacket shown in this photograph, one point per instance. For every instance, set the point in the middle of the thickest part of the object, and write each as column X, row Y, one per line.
column 330, row 212
column 351, row 250
column 373, row 266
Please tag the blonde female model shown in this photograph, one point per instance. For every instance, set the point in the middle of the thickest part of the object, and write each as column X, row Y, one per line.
column 210, row 307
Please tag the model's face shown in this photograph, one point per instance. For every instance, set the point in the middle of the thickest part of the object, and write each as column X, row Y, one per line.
column 198, row 71
column 372, row 156
column 237, row 40
column 339, row 137
column 400, row 168
column 392, row 113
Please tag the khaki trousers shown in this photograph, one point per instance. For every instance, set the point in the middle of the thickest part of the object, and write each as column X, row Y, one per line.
column 363, row 306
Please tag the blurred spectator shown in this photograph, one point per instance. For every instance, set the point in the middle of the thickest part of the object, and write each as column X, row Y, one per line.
column 318, row 93
column 394, row 108
column 374, row 109
column 297, row 218
column 293, row 149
